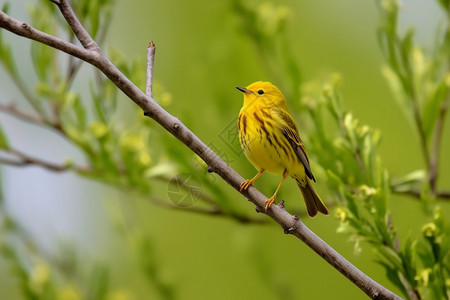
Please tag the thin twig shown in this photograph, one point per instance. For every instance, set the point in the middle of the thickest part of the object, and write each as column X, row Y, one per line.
column 150, row 60
column 12, row 110
column 213, row 211
column 80, row 32
column 75, row 65
column 443, row 195
column 434, row 159
column 21, row 159
column 39, row 120
column 182, row 184
column 291, row 224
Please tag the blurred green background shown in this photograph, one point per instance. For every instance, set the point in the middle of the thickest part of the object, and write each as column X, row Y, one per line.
column 202, row 54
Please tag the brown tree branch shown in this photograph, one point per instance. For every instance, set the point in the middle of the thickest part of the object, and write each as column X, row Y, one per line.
column 23, row 160
column 20, row 159
column 291, row 224
column 215, row 211
column 14, row 111
column 434, row 159
column 444, row 195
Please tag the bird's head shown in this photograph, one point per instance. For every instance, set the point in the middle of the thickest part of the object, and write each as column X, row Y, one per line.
column 262, row 93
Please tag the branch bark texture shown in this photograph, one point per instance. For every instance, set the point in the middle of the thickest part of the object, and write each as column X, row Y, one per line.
column 92, row 54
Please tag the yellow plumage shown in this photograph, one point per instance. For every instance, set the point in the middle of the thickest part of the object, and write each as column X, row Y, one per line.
column 270, row 141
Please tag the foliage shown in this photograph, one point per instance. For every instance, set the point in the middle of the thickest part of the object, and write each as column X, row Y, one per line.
column 44, row 276
column 420, row 82
column 361, row 184
column 357, row 176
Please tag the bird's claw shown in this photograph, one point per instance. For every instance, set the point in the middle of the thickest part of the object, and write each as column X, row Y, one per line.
column 245, row 185
column 269, row 203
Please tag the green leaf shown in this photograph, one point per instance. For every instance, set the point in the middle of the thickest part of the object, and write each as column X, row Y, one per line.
column 393, row 276
column 80, row 111
column 5, row 8
column 350, row 124
column 93, row 15
column 6, row 57
column 42, row 55
column 98, row 283
column 407, row 43
column 391, row 256
column 445, row 4
column 407, row 51
column 97, row 102
column 408, row 257
column 409, row 181
column 424, row 252
column 3, row 140
column 73, row 115
column 395, row 83
column 160, row 170
column 352, row 206
column 334, row 180
column 383, row 194
column 432, row 107
column 367, row 155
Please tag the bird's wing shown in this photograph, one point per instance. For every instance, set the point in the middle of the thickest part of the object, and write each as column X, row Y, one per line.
column 290, row 132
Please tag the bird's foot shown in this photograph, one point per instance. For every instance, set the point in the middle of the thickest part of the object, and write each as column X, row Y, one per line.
column 269, row 202
column 245, row 185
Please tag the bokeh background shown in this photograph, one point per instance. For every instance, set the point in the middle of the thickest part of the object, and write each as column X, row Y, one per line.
column 202, row 54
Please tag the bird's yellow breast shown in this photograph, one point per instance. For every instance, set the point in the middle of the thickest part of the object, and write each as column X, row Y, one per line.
column 264, row 144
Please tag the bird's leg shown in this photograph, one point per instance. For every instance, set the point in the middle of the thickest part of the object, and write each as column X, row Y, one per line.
column 272, row 199
column 246, row 184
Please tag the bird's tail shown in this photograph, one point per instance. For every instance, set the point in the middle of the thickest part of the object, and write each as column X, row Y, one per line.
column 312, row 200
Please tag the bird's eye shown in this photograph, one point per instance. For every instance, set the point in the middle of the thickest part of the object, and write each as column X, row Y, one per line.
column 260, row 92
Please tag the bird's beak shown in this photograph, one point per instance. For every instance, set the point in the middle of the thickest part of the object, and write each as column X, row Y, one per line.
column 244, row 90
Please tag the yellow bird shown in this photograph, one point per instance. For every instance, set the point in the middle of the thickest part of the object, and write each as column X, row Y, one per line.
column 270, row 141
